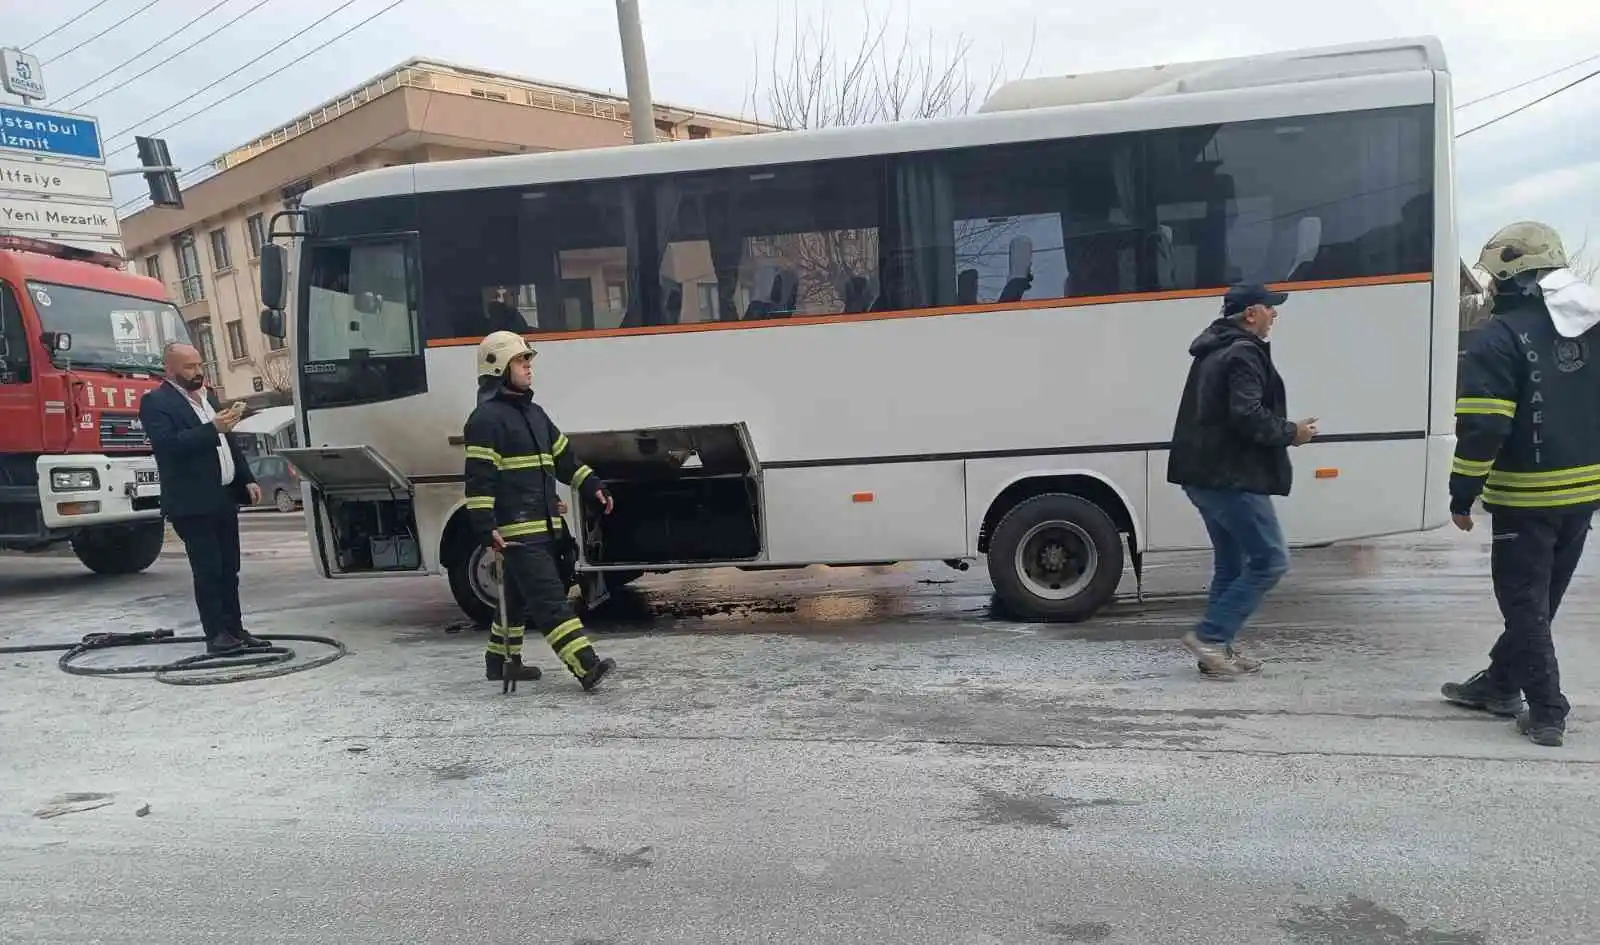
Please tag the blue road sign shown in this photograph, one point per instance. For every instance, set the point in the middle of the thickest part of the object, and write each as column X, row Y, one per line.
column 50, row 134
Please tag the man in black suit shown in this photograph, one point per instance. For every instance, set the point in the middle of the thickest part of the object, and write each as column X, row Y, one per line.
column 204, row 480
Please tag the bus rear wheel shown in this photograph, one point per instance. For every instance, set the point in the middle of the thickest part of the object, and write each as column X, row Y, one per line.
column 1055, row 557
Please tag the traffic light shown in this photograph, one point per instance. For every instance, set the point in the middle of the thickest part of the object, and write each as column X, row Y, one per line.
column 159, row 172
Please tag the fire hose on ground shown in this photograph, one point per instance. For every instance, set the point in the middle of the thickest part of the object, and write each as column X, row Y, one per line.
column 274, row 660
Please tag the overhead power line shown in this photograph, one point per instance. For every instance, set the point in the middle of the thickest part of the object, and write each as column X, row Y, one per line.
column 73, row 49
column 64, row 25
column 296, row 61
column 1527, row 82
column 1527, row 105
column 141, row 53
column 200, row 91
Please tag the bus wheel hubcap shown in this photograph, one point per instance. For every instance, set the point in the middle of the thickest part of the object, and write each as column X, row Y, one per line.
column 1056, row 560
column 483, row 583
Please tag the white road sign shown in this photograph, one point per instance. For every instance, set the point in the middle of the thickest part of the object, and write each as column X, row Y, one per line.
column 21, row 73
column 36, row 177
column 58, row 218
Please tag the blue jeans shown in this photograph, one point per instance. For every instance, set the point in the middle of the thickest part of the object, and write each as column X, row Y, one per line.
column 1250, row 556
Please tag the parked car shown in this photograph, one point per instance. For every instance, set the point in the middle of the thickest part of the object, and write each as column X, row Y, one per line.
column 280, row 484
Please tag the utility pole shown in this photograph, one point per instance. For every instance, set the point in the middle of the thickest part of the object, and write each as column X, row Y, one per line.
column 640, row 108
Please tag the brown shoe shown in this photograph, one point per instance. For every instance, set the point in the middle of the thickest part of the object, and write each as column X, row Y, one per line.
column 1215, row 660
column 1247, row 664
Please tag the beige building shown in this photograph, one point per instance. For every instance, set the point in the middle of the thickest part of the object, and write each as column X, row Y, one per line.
column 422, row 110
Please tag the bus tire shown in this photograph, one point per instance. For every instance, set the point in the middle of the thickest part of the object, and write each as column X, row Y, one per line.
column 471, row 586
column 120, row 549
column 1055, row 557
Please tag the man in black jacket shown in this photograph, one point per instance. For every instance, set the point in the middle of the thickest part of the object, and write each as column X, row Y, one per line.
column 1230, row 454
column 204, row 480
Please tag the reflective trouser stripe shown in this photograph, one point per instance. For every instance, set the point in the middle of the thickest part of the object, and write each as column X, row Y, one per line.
column 568, row 641
column 505, row 641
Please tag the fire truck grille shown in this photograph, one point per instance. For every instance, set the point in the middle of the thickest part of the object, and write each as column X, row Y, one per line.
column 122, row 432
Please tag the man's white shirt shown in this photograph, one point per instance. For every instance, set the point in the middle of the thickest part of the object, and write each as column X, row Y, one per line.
column 202, row 409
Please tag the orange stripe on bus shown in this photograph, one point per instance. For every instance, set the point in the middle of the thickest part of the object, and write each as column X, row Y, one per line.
column 1024, row 305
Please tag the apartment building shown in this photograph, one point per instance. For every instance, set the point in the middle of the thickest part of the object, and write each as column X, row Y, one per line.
column 208, row 253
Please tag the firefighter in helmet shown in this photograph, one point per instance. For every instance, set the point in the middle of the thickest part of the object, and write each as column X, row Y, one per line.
column 1528, row 447
column 514, row 457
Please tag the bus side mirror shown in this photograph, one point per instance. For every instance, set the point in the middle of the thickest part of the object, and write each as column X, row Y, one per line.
column 274, row 271
column 272, row 323
column 56, row 341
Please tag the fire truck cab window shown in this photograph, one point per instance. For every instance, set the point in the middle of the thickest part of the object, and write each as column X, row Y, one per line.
column 13, row 339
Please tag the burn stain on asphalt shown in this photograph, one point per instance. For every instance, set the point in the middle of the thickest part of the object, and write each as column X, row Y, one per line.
column 76, row 802
column 1357, row 921
column 618, row 862
column 996, row 808
column 460, row 771
column 1077, row 931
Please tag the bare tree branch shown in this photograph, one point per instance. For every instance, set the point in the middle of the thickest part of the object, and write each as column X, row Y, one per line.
column 1583, row 262
column 889, row 75
column 274, row 370
column 813, row 82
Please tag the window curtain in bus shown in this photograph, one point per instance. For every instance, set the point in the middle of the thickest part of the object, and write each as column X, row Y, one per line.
column 640, row 221
column 727, row 250
column 1100, row 224
column 920, row 256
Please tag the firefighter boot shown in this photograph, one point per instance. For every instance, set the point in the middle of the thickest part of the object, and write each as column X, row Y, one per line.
column 593, row 674
column 494, row 668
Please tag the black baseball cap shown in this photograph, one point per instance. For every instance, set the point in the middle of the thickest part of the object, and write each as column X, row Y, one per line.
column 1241, row 297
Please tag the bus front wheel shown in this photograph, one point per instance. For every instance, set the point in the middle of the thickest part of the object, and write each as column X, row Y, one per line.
column 473, row 586
column 1055, row 557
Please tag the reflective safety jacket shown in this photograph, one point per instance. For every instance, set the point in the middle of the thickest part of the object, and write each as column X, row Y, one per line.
column 1528, row 414
column 515, row 455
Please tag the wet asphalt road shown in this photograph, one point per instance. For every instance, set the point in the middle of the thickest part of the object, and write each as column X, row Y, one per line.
column 857, row 756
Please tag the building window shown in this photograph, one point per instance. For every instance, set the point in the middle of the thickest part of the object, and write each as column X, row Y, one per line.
column 221, row 259
column 152, row 266
column 201, row 333
column 191, row 287
column 255, row 229
column 237, row 349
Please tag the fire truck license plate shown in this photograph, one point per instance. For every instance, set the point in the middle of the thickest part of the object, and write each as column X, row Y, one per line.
column 145, row 477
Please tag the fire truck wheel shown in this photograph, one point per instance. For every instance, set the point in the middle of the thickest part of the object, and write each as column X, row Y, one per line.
column 120, row 549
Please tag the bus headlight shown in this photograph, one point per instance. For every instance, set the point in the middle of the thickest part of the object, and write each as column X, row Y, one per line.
column 73, row 480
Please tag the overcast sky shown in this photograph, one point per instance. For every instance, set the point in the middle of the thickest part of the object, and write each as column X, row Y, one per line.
column 1543, row 163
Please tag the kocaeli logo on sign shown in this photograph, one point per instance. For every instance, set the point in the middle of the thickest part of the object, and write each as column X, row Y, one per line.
column 50, row 133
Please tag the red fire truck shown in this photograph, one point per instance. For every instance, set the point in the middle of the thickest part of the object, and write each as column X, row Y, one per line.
column 81, row 341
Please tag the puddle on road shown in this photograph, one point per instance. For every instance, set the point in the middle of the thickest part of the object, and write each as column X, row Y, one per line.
column 1357, row 921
